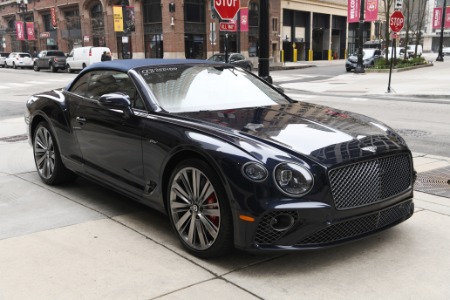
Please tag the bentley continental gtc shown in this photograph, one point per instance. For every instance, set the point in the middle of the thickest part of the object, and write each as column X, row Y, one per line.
column 231, row 160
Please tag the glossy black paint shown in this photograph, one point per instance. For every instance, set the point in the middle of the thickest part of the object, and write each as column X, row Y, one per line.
column 134, row 151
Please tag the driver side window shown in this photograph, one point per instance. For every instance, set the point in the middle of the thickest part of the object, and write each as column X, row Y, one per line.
column 106, row 82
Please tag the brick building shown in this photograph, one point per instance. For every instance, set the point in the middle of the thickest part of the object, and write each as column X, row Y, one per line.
column 180, row 28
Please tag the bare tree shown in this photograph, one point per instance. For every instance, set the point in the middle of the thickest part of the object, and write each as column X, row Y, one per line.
column 387, row 8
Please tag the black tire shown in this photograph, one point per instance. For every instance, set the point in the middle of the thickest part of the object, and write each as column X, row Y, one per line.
column 69, row 69
column 53, row 69
column 348, row 69
column 47, row 157
column 14, row 66
column 203, row 222
column 36, row 68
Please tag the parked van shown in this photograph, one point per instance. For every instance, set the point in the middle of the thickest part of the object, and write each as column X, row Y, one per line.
column 400, row 52
column 80, row 58
column 411, row 49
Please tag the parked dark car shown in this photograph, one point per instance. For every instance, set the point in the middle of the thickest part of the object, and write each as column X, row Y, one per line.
column 3, row 56
column 369, row 58
column 50, row 59
column 234, row 59
column 230, row 159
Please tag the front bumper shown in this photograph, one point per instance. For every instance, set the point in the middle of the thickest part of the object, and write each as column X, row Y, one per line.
column 313, row 228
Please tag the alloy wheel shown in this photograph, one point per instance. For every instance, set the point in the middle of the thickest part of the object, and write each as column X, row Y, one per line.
column 44, row 153
column 195, row 208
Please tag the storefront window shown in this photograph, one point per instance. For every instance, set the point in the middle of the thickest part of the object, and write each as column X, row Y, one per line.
column 98, row 25
column 72, row 33
column 154, row 46
column 195, row 29
column 50, row 43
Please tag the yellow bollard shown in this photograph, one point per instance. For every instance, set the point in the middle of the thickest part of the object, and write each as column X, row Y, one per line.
column 294, row 58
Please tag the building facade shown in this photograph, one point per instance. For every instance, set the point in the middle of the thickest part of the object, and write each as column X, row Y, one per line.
column 299, row 29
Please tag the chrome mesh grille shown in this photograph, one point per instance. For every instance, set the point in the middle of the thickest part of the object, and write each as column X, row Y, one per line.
column 265, row 234
column 359, row 227
column 370, row 181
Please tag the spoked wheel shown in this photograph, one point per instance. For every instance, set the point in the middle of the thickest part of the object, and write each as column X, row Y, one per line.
column 199, row 210
column 47, row 158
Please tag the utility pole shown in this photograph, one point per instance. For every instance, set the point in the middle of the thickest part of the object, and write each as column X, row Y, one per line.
column 359, row 65
column 23, row 8
column 441, row 39
column 264, row 21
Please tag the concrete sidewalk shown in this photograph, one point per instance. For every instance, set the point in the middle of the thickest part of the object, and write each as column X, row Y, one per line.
column 403, row 84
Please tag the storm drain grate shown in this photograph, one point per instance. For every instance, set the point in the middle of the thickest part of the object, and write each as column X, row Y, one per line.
column 14, row 138
column 435, row 182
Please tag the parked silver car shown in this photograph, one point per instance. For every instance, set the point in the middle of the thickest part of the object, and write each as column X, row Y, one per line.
column 3, row 56
column 369, row 58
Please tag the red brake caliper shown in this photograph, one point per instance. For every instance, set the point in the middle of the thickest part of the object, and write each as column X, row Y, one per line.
column 212, row 200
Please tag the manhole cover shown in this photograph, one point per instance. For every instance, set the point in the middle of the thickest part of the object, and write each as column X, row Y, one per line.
column 14, row 138
column 435, row 182
column 412, row 132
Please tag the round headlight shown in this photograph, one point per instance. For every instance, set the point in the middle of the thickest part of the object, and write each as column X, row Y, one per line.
column 254, row 171
column 292, row 179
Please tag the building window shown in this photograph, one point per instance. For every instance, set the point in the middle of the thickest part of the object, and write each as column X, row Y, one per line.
column 152, row 11
column 72, row 33
column 194, row 11
column 97, row 25
column 275, row 24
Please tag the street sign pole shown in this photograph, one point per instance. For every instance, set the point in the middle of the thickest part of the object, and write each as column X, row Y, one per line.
column 441, row 37
column 359, row 65
column 396, row 22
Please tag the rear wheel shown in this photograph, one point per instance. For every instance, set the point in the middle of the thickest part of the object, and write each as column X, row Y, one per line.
column 14, row 66
column 53, row 69
column 47, row 157
column 36, row 68
column 199, row 210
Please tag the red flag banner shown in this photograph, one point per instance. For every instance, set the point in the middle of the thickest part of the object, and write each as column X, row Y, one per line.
column 53, row 15
column 19, row 31
column 353, row 11
column 30, row 31
column 244, row 19
column 371, row 11
column 447, row 17
column 437, row 18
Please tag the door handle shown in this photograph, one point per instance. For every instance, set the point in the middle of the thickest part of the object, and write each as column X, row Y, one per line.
column 80, row 120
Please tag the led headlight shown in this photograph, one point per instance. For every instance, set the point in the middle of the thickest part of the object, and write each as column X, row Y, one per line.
column 254, row 171
column 292, row 179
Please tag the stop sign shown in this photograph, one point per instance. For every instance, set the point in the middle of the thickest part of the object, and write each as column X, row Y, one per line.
column 396, row 21
column 227, row 9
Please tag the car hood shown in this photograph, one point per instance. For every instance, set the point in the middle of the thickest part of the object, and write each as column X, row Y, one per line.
column 326, row 134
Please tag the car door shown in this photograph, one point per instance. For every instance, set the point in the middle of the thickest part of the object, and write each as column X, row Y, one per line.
column 40, row 59
column 109, row 139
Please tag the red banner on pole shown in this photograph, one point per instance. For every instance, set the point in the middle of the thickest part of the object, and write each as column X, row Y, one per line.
column 447, row 17
column 371, row 11
column 244, row 19
column 19, row 31
column 53, row 16
column 353, row 11
column 30, row 31
column 437, row 17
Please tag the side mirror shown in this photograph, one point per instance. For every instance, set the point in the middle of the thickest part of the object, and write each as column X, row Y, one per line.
column 118, row 101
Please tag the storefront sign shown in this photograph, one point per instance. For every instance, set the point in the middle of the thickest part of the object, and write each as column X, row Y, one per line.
column 118, row 18
column 44, row 35
column 53, row 16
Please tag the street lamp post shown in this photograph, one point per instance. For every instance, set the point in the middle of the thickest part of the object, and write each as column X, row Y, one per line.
column 441, row 40
column 23, row 8
column 359, row 65
column 125, row 37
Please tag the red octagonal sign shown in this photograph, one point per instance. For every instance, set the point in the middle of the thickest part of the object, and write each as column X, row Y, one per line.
column 227, row 9
column 396, row 21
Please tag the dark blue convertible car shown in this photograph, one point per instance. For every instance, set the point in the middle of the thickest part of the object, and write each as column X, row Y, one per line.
column 231, row 160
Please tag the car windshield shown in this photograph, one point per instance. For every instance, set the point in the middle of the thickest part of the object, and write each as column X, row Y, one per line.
column 55, row 53
column 205, row 87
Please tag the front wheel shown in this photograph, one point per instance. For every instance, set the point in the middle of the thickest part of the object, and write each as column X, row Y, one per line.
column 14, row 66
column 47, row 157
column 36, row 68
column 199, row 210
column 69, row 69
column 53, row 69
